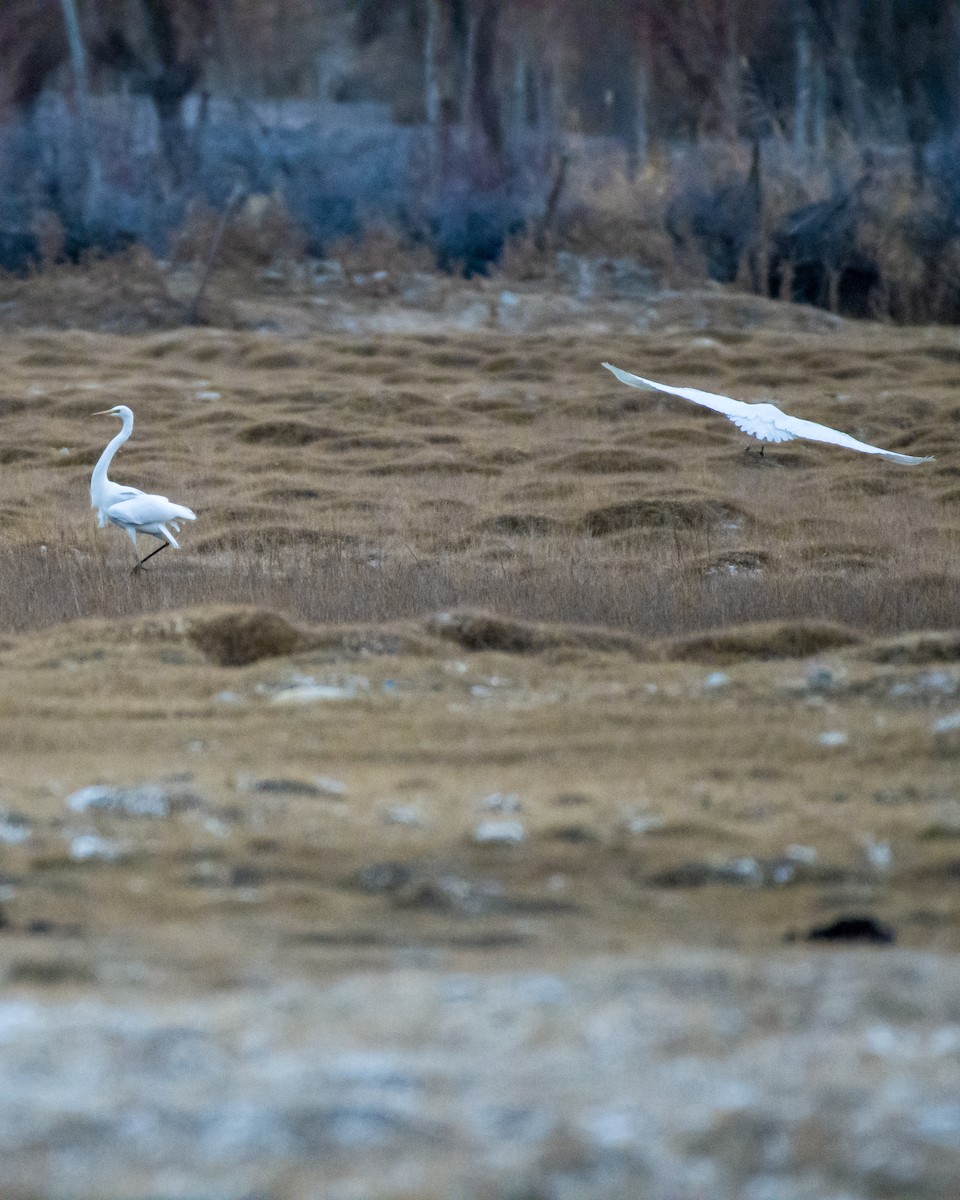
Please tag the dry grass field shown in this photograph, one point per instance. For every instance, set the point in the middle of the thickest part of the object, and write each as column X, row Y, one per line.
column 469, row 783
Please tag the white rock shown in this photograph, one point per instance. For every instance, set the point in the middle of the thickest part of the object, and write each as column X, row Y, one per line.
column 644, row 823
column 946, row 735
column 833, row 737
column 147, row 800
column 879, row 854
column 329, row 786
column 404, row 814
column 309, row 693
column 14, row 829
column 85, row 846
column 501, row 802
column 506, row 832
column 141, row 800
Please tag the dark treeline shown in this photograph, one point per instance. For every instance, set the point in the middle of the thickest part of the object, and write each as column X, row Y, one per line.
column 805, row 148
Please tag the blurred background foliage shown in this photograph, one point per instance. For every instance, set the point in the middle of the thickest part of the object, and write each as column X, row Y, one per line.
column 806, row 149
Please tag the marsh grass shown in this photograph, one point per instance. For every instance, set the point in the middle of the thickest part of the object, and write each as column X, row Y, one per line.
column 324, row 493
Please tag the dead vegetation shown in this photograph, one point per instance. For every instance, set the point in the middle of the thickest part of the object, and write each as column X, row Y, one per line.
column 494, row 713
column 332, row 494
column 234, row 639
column 775, row 639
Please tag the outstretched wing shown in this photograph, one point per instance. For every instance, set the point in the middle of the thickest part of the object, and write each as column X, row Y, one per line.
column 765, row 421
column 147, row 509
column 721, row 404
column 815, row 432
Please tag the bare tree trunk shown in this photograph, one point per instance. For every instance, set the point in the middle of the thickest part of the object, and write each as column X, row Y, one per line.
column 802, row 83
column 92, row 167
column 845, row 34
column 486, row 96
column 226, row 35
column 518, row 98
column 818, row 123
column 639, row 151
column 469, row 71
column 431, row 90
column 730, row 79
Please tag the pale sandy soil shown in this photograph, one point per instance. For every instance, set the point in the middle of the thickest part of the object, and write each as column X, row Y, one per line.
column 382, row 897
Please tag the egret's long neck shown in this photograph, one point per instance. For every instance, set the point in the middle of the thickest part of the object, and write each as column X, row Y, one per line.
column 99, row 477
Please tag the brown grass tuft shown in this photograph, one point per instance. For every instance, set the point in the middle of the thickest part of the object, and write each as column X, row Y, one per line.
column 915, row 649
column 279, row 433
column 521, row 524
column 476, row 630
column 610, row 462
column 237, row 637
column 660, row 514
column 765, row 640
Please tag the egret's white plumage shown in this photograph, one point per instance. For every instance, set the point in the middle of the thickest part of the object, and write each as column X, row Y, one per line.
column 766, row 422
column 129, row 508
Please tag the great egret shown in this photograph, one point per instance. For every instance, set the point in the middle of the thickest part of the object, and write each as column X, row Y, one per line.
column 766, row 422
column 129, row 508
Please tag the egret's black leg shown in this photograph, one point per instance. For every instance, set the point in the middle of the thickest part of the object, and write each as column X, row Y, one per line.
column 139, row 566
column 761, row 455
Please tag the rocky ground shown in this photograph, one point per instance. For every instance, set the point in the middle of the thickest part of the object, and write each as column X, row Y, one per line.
column 510, row 790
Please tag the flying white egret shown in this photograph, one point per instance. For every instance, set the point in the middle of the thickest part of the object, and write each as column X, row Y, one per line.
column 129, row 508
column 766, row 422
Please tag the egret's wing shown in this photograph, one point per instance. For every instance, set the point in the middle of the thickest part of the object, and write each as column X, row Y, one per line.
column 815, row 432
column 124, row 493
column 146, row 509
column 766, row 423
column 721, row 404
column 113, row 493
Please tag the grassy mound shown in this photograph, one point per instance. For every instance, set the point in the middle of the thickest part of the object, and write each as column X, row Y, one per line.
column 238, row 637
column 477, row 630
column 664, row 513
column 763, row 641
column 915, row 649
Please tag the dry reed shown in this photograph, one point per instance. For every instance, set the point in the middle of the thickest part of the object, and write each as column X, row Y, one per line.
column 358, row 480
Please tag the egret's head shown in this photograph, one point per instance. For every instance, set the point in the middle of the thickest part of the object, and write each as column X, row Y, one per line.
column 118, row 410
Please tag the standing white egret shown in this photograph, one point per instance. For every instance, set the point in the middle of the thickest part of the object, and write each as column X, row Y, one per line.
column 129, row 508
column 766, row 422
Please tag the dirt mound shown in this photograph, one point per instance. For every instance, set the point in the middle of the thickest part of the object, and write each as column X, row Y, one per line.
column 280, row 433
column 764, row 640
column 477, row 630
column 520, row 525
column 915, row 649
column 612, row 461
column 665, row 513
column 237, row 637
